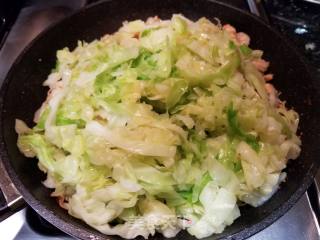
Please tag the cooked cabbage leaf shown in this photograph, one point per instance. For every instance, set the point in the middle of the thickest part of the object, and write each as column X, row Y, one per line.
column 162, row 126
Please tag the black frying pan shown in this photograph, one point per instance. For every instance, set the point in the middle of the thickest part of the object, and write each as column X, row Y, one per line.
column 22, row 94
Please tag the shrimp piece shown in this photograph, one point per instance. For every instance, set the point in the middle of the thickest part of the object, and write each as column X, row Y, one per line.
column 273, row 94
column 231, row 30
column 261, row 64
column 243, row 39
column 239, row 38
column 270, row 88
column 268, row 77
column 62, row 203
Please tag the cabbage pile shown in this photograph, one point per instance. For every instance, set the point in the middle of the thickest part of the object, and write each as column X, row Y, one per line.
column 162, row 126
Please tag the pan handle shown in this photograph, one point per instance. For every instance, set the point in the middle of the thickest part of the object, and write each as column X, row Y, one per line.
column 13, row 199
column 257, row 8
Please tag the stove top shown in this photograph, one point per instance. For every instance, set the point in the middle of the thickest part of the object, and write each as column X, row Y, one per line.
column 300, row 21
column 297, row 19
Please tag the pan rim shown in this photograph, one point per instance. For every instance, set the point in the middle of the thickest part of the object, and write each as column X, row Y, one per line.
column 82, row 233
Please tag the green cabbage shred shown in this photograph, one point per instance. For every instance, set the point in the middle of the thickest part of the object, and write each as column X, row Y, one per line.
column 159, row 127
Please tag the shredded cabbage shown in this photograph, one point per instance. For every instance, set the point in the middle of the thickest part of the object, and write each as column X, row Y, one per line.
column 159, row 127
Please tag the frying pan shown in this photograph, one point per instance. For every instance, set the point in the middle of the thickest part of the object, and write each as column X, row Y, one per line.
column 22, row 93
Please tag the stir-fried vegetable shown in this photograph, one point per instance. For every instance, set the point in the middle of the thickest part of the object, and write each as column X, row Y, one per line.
column 162, row 126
